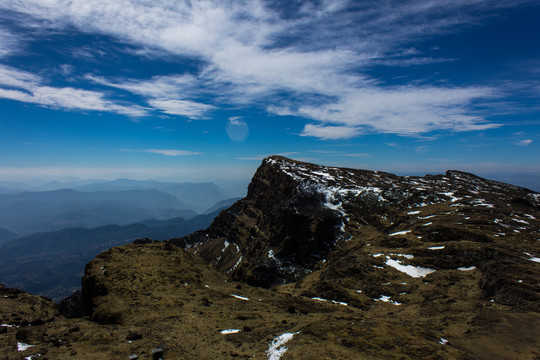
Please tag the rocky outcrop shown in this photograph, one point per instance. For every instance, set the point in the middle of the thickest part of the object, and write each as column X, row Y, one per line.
column 296, row 214
column 276, row 234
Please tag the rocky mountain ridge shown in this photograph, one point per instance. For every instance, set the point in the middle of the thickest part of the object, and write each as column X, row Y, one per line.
column 338, row 263
column 296, row 213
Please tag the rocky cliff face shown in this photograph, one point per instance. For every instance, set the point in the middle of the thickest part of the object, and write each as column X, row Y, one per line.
column 297, row 216
column 341, row 263
column 278, row 233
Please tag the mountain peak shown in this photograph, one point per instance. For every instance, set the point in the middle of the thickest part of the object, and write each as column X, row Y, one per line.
column 295, row 213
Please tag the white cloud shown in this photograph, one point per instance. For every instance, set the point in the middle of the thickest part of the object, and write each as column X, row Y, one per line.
column 162, row 87
column 168, row 152
column 330, row 132
column 402, row 110
column 9, row 42
column 10, row 77
column 526, row 142
column 163, row 92
column 249, row 52
column 190, row 109
column 29, row 88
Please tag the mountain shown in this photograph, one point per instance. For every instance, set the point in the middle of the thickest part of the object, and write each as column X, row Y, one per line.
column 315, row 263
column 296, row 213
column 199, row 196
column 31, row 212
column 52, row 263
column 220, row 205
column 6, row 235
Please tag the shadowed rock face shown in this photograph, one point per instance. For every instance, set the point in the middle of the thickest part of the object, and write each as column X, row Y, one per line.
column 276, row 234
column 361, row 264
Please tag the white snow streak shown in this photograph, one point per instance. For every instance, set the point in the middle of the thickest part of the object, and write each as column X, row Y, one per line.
column 22, row 346
column 400, row 233
column 414, row 271
column 276, row 348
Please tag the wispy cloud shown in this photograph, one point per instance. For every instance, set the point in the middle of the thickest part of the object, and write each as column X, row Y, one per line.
column 10, row 42
column 157, row 87
column 525, row 142
column 330, row 132
column 165, row 152
column 252, row 52
column 27, row 87
column 190, row 109
column 168, row 152
column 164, row 93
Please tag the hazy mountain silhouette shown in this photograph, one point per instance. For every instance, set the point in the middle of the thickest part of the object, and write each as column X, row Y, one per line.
column 31, row 212
column 221, row 205
column 52, row 263
column 7, row 235
column 200, row 196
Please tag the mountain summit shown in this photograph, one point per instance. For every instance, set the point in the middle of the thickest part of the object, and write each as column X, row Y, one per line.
column 296, row 214
column 338, row 263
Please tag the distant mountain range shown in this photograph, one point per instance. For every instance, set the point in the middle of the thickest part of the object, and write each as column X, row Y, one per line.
column 119, row 202
column 52, row 263
column 198, row 196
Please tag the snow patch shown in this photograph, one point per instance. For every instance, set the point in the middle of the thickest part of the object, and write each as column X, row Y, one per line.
column 413, row 271
column 237, row 263
column 332, row 301
column 225, row 245
column 436, row 247
column 532, row 258
column 450, row 195
column 414, row 212
column 406, row 256
column 387, row 299
column 276, row 349
column 230, row 331
column 466, row 268
column 400, row 233
column 22, row 346
column 240, row 297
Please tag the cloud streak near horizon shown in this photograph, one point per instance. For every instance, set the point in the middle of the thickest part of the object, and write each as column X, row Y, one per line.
column 267, row 54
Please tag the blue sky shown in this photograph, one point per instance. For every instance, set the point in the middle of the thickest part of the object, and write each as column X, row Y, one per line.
column 197, row 90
